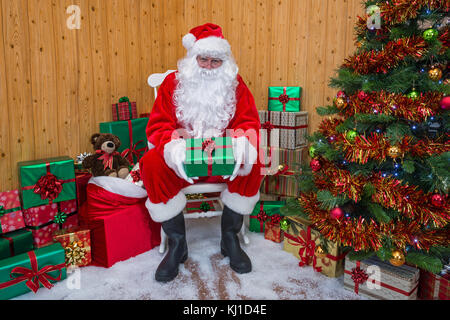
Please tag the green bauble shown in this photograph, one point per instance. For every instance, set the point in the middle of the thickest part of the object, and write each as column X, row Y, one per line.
column 413, row 94
column 430, row 34
column 284, row 224
column 312, row 151
column 351, row 135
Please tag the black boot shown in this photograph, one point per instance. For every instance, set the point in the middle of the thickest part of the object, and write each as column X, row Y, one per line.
column 231, row 225
column 178, row 252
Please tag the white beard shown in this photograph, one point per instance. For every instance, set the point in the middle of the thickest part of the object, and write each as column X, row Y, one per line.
column 205, row 99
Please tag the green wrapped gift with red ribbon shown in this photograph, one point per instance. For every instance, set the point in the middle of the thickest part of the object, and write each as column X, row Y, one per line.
column 27, row 272
column 46, row 181
column 286, row 99
column 209, row 157
column 15, row 242
column 132, row 137
column 11, row 217
column 264, row 211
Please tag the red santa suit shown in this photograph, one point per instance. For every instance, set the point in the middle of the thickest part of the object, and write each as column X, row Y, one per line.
column 164, row 187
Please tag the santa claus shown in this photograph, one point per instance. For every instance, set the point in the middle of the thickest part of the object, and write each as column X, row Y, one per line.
column 205, row 98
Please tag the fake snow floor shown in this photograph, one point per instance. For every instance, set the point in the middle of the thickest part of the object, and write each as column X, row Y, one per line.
column 205, row 275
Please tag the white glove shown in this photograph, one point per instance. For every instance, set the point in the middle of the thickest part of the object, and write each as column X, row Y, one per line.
column 245, row 155
column 175, row 155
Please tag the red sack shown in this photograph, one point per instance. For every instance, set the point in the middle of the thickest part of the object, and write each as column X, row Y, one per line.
column 120, row 224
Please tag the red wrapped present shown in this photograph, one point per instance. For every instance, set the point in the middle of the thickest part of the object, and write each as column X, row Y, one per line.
column 43, row 221
column 11, row 217
column 81, row 181
column 433, row 286
column 120, row 223
column 273, row 232
column 124, row 110
column 76, row 242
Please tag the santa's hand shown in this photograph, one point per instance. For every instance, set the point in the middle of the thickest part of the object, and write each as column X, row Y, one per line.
column 175, row 155
column 245, row 155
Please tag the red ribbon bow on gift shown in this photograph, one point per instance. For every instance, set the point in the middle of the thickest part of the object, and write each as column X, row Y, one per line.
column 33, row 276
column 359, row 276
column 283, row 98
column 208, row 145
column 107, row 158
column 267, row 125
column 48, row 186
column 132, row 150
column 136, row 175
column 306, row 250
column 262, row 216
column 276, row 218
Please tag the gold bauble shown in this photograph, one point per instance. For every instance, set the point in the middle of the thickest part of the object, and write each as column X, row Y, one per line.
column 398, row 258
column 319, row 252
column 394, row 152
column 340, row 102
column 435, row 74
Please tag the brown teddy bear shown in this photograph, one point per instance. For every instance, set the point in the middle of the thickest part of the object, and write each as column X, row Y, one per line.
column 106, row 161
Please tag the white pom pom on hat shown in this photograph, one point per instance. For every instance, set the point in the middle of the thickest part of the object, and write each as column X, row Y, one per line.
column 188, row 41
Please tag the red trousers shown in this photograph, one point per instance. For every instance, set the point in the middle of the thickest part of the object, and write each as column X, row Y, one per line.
column 164, row 188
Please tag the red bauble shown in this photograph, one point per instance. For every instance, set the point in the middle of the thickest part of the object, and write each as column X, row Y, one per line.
column 437, row 200
column 315, row 165
column 337, row 213
column 445, row 103
column 362, row 95
column 340, row 94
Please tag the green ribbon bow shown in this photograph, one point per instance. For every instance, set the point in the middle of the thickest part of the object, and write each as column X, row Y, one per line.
column 205, row 206
column 60, row 218
column 124, row 99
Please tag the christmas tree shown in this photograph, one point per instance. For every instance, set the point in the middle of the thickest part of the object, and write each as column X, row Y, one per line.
column 378, row 179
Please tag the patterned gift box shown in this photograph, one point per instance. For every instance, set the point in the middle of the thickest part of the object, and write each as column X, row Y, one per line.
column 46, row 181
column 15, row 242
column 263, row 212
column 271, row 197
column 135, row 176
column 132, row 137
column 282, row 183
column 273, row 232
column 76, row 242
column 11, row 217
column 287, row 99
column 433, row 286
column 301, row 240
column 29, row 271
column 270, row 136
column 124, row 110
column 202, row 206
column 378, row 280
column 209, row 157
column 293, row 127
column 43, row 221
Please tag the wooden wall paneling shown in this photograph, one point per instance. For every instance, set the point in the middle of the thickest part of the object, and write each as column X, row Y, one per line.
column 355, row 8
column 17, row 78
column 204, row 10
column 100, row 53
column 117, row 48
column 298, row 46
column 316, row 61
column 5, row 146
column 172, row 16
column 280, row 45
column 43, row 79
column 233, row 27
column 190, row 14
column 335, row 45
column 218, row 14
column 146, row 54
column 87, row 101
column 67, row 73
column 156, row 35
column 263, row 51
column 247, row 43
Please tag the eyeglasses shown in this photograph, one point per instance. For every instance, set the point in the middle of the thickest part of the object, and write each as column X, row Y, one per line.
column 206, row 61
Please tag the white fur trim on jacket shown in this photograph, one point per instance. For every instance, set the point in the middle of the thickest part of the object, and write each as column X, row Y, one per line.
column 239, row 204
column 161, row 212
column 242, row 145
column 119, row 186
column 175, row 153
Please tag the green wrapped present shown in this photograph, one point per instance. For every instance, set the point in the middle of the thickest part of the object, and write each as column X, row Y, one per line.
column 132, row 136
column 46, row 181
column 209, row 157
column 15, row 242
column 285, row 99
column 265, row 211
column 29, row 271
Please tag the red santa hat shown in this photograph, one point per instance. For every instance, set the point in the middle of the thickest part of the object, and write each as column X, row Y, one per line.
column 207, row 39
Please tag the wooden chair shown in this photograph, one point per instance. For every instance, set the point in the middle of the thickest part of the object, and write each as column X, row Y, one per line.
column 154, row 81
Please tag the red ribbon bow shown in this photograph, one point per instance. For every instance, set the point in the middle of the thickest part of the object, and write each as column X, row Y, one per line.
column 136, row 175
column 33, row 276
column 359, row 276
column 283, row 98
column 132, row 150
column 48, row 186
column 276, row 218
column 208, row 145
column 306, row 250
column 267, row 125
column 107, row 158
column 262, row 216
